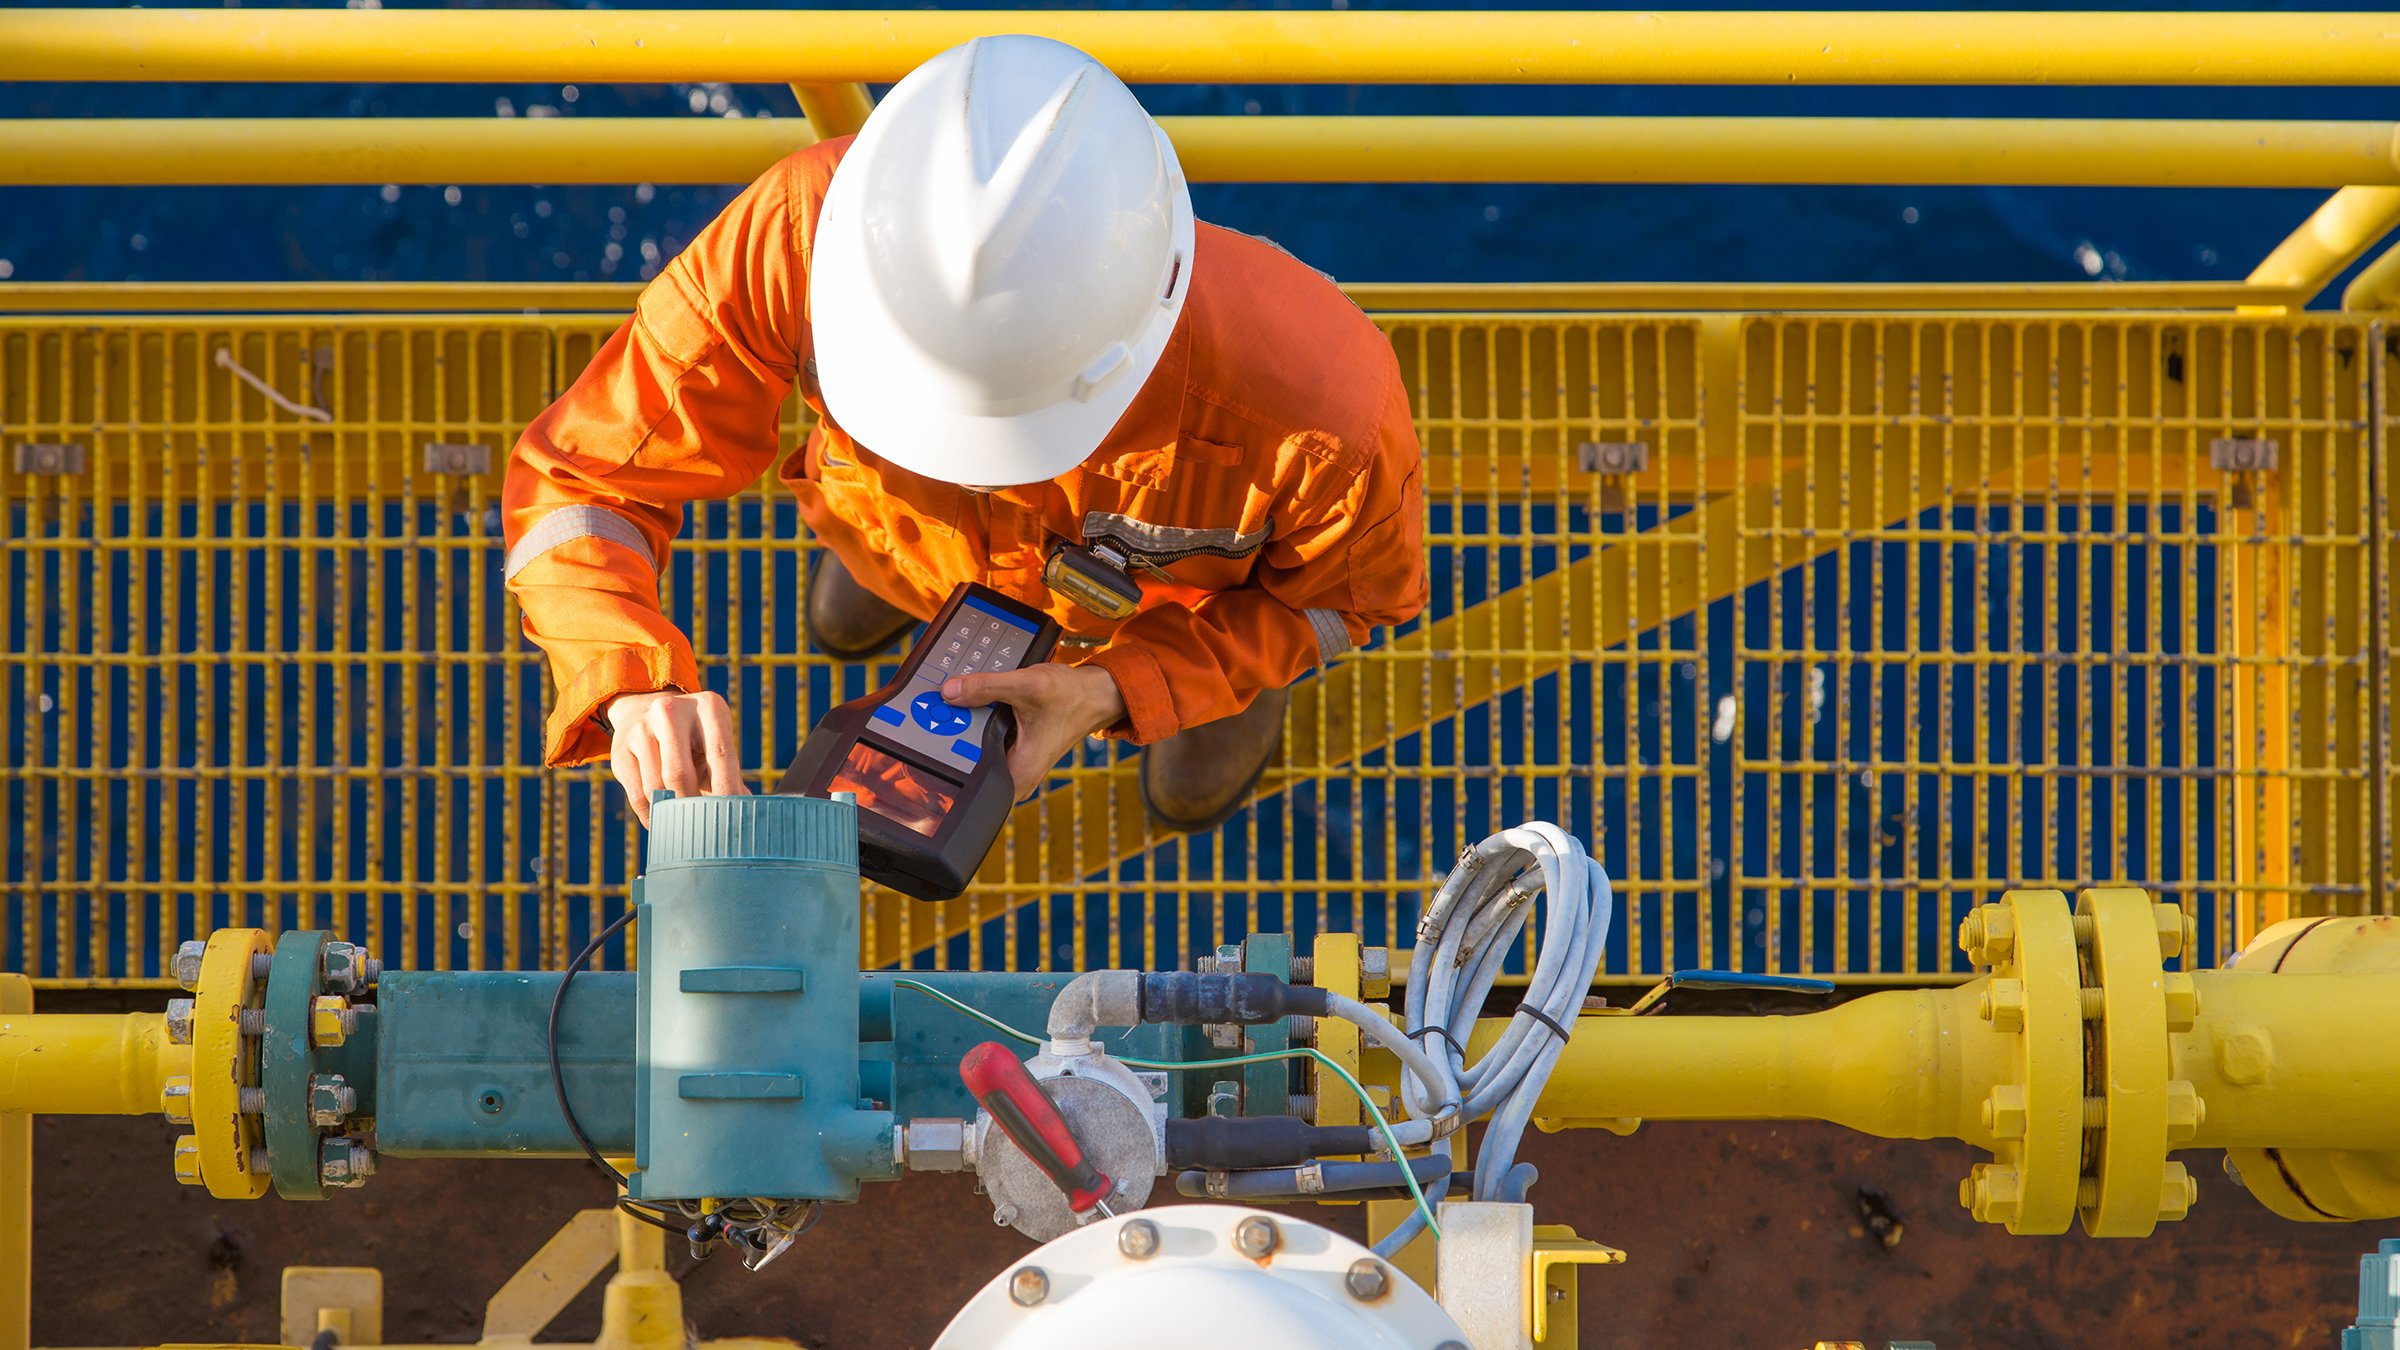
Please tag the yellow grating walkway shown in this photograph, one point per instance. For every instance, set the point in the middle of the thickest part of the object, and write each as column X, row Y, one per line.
column 1821, row 628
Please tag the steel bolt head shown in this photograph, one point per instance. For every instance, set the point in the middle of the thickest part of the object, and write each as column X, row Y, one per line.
column 175, row 1100
column 187, row 1160
column 1366, row 1281
column 1138, row 1240
column 179, row 1021
column 1028, row 1286
column 1257, row 1237
column 187, row 963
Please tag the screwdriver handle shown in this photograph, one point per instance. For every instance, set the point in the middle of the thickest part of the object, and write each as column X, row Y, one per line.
column 1003, row 1087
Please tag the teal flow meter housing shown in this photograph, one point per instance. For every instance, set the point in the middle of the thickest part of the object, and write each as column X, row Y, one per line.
column 746, row 1005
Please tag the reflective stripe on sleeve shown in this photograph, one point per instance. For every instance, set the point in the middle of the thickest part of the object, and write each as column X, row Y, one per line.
column 577, row 522
column 1333, row 636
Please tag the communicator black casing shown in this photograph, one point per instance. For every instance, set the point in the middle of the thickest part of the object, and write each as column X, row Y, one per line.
column 931, row 778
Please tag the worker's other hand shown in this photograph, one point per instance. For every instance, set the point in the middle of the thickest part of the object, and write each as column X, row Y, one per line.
column 682, row 742
column 1056, row 706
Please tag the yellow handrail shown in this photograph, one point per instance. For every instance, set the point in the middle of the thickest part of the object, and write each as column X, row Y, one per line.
column 149, row 298
column 827, row 47
column 2102, row 152
column 2377, row 286
column 2335, row 235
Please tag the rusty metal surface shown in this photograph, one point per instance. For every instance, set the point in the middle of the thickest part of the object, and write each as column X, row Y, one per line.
column 1737, row 1235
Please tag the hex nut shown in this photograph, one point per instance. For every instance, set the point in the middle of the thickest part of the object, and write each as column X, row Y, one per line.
column 343, row 967
column 1138, row 1240
column 331, row 1099
column 1993, row 1192
column 2185, row 1111
column 175, row 1100
column 187, row 963
column 2169, row 921
column 935, row 1144
column 343, row 1162
column 2003, row 1005
column 2178, row 1191
column 329, row 1020
column 179, row 1021
column 1374, row 971
column 2183, row 1000
column 1989, row 935
column 2004, row 1112
column 187, row 1160
column 1257, row 1237
column 1029, row 1286
column 1366, row 1280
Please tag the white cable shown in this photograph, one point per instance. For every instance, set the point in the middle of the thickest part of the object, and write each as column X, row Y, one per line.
column 225, row 359
column 1463, row 943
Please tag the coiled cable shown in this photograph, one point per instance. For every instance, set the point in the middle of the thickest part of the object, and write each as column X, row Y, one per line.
column 1463, row 943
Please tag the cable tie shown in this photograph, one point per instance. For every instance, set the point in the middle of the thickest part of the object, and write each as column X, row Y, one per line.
column 1544, row 1018
column 1444, row 1034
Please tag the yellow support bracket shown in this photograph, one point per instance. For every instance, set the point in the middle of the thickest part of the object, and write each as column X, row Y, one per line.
column 1550, row 1282
column 552, row 1277
column 16, row 1196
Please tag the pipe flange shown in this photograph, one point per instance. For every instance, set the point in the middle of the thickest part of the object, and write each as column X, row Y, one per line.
column 288, row 1062
column 225, row 1061
column 2028, row 940
column 2132, row 1112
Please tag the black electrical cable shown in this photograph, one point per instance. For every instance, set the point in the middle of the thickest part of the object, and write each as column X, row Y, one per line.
column 558, row 1078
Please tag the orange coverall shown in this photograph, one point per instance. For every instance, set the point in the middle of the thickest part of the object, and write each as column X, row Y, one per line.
column 1268, row 468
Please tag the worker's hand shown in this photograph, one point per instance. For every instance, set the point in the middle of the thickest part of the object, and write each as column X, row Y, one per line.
column 1056, row 706
column 683, row 742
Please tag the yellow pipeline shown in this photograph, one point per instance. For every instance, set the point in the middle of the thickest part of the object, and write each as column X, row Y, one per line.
column 1908, row 1064
column 827, row 47
column 2284, row 1061
column 2092, row 152
column 87, row 1064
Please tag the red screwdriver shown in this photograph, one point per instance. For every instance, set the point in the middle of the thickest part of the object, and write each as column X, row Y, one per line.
column 1000, row 1083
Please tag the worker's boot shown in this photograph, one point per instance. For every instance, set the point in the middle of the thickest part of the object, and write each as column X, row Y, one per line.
column 1196, row 778
column 845, row 619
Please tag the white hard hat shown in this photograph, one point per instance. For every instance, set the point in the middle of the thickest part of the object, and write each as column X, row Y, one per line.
column 999, row 263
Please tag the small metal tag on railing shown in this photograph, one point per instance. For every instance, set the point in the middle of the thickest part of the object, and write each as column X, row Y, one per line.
column 50, row 458
column 460, row 461
column 1613, row 458
column 2245, row 454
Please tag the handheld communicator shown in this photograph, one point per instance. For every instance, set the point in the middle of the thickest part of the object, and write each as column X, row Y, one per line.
column 931, row 778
